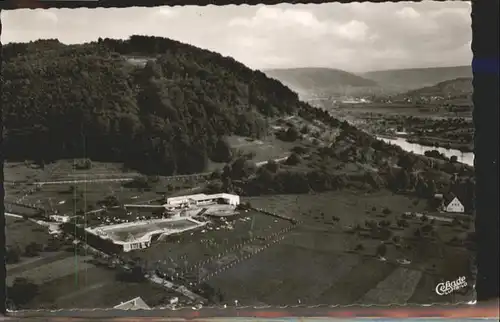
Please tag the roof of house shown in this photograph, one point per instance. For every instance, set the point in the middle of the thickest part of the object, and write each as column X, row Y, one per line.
column 133, row 304
column 199, row 197
column 449, row 198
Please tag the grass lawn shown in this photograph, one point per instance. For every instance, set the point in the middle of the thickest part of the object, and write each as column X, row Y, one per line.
column 284, row 274
column 54, row 269
column 21, row 172
column 21, row 232
column 65, row 170
column 67, row 200
column 192, row 247
column 265, row 149
column 349, row 206
column 330, row 271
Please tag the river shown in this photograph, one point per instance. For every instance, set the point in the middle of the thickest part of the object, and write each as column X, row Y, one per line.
column 463, row 157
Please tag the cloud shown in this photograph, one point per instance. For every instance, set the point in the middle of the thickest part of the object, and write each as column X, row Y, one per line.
column 353, row 30
column 39, row 19
column 354, row 37
column 165, row 12
column 408, row 13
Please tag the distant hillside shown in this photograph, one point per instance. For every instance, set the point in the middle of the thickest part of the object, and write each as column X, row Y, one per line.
column 410, row 79
column 450, row 89
column 320, row 80
column 166, row 115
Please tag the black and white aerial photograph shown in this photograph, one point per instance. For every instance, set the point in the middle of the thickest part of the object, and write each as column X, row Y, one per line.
column 238, row 156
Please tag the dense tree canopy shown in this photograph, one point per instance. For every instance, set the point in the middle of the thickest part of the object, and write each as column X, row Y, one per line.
column 167, row 115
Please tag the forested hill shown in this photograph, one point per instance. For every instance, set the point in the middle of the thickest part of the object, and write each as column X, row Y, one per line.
column 453, row 88
column 321, row 81
column 66, row 101
column 415, row 78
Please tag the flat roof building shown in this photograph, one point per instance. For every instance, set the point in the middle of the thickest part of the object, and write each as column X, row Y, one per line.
column 203, row 199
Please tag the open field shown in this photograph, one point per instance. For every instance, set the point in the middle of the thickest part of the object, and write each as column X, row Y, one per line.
column 192, row 247
column 66, row 170
column 326, row 275
column 264, row 149
column 54, row 269
column 22, row 172
column 21, row 232
column 349, row 206
column 401, row 109
column 69, row 198
column 123, row 233
column 110, row 293
column 83, row 285
column 331, row 271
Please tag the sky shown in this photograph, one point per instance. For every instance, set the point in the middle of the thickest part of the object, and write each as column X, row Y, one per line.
column 355, row 37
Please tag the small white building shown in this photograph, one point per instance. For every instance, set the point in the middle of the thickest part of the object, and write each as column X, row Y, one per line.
column 454, row 206
column 203, row 199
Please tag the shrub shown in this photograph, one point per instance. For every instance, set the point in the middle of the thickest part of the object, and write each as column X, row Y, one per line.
column 12, row 255
column 84, row 164
column 33, row 249
column 381, row 250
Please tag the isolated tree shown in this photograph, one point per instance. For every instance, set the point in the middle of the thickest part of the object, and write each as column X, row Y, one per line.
column 381, row 250
column 222, row 151
column 12, row 255
column 431, row 189
column 32, row 249
column 359, row 247
column 272, row 166
column 241, row 168
column 293, row 159
column 403, row 179
column 396, row 239
column 152, row 179
column 292, row 134
column 427, row 228
column 406, row 162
